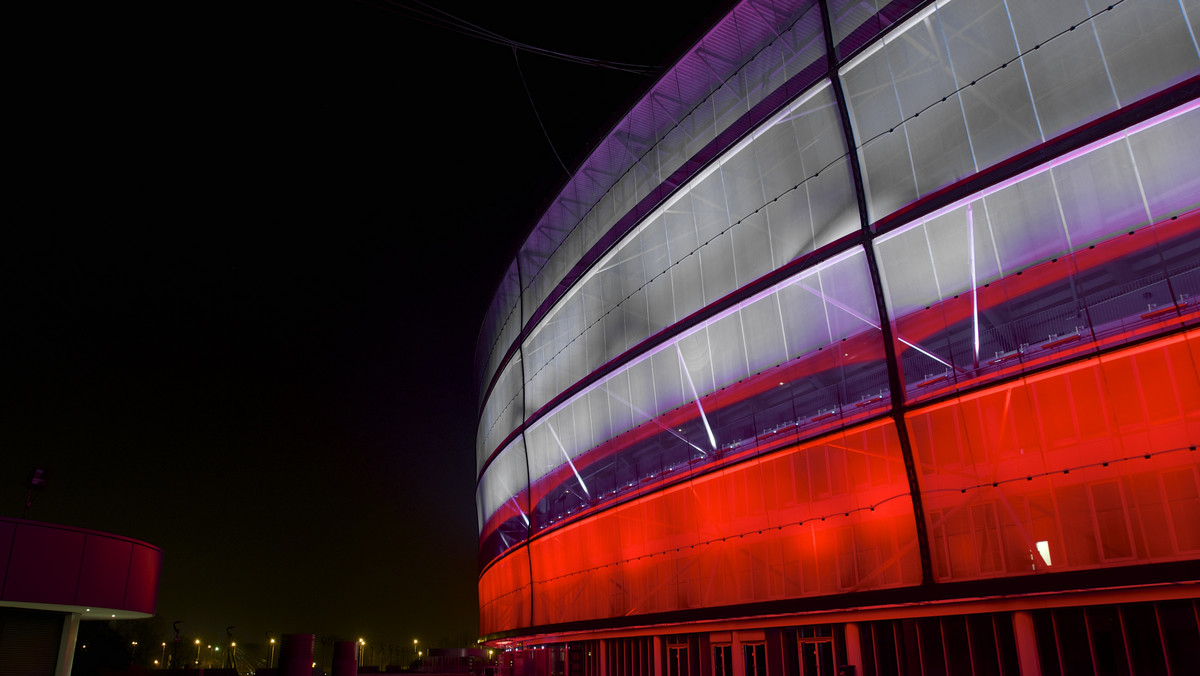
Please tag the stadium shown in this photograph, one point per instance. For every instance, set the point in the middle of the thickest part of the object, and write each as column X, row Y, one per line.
column 867, row 342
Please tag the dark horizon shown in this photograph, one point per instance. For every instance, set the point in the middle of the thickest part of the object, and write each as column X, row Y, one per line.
column 242, row 307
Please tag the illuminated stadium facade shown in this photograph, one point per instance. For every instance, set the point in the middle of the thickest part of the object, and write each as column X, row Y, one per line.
column 869, row 337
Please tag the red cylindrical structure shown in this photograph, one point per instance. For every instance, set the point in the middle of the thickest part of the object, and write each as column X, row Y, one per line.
column 345, row 658
column 296, row 655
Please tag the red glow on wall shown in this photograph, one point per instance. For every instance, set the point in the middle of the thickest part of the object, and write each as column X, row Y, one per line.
column 1066, row 450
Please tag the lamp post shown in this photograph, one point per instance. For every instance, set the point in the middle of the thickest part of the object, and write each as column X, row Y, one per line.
column 415, row 649
column 271, row 653
column 197, row 652
column 163, row 661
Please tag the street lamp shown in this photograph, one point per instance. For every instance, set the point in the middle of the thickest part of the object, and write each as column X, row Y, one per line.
column 271, row 653
column 197, row 651
column 164, row 654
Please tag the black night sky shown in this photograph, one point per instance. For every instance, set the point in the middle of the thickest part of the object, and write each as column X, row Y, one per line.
column 247, row 257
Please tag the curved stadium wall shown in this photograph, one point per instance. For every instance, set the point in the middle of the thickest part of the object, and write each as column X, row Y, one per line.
column 870, row 336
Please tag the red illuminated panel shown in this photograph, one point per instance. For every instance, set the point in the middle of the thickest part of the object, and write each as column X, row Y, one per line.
column 1085, row 466
column 504, row 593
column 829, row 516
column 862, row 349
column 141, row 592
column 105, row 573
column 44, row 564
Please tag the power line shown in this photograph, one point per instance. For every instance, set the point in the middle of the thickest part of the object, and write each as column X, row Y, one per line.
column 428, row 14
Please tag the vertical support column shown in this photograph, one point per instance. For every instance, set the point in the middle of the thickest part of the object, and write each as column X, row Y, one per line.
column 66, row 645
column 854, row 647
column 657, row 668
column 739, row 658
column 1026, row 639
column 895, row 382
column 603, row 657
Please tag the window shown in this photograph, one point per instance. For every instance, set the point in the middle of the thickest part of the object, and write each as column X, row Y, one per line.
column 756, row 659
column 677, row 660
column 722, row 660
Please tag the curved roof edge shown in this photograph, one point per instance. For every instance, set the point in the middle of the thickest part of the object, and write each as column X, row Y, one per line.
column 704, row 67
column 48, row 566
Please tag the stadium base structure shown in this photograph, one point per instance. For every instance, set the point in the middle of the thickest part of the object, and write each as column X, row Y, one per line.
column 867, row 342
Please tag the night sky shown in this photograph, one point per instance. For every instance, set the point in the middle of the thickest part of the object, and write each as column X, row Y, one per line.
column 246, row 262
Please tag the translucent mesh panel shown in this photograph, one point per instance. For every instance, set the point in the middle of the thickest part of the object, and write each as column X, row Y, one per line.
column 941, row 153
column 871, row 94
column 752, row 248
column 717, row 269
column 888, row 173
column 999, row 116
column 1036, row 22
column 505, row 479
column 762, row 324
column 1068, row 80
column 834, row 204
column 1165, row 156
column 742, row 183
column 502, row 412
column 849, row 15
column 849, row 297
column 790, row 221
column 779, row 158
column 978, row 36
column 1146, row 45
column 906, row 269
column 1099, row 194
column 728, row 350
column 1025, row 222
column 919, row 64
column 709, row 207
column 1045, row 462
column 689, row 289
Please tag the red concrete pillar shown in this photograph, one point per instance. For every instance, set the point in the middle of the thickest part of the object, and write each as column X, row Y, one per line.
column 345, row 658
column 296, row 655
